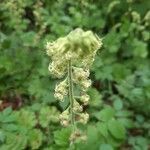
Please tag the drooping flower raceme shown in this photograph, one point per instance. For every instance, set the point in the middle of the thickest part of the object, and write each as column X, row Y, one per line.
column 71, row 58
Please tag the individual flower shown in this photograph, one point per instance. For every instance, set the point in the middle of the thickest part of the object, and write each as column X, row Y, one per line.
column 80, row 74
column 86, row 84
column 83, row 118
column 64, row 118
column 77, row 107
column 85, row 99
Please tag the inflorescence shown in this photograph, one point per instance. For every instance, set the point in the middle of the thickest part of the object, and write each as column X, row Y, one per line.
column 72, row 57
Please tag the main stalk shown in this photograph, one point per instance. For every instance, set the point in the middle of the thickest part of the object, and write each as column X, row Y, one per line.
column 71, row 96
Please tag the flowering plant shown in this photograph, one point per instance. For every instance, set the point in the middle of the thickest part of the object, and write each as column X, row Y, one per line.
column 72, row 57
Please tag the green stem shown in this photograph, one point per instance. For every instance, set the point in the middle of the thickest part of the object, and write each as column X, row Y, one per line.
column 71, row 96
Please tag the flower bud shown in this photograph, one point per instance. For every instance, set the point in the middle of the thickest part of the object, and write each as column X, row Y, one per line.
column 64, row 123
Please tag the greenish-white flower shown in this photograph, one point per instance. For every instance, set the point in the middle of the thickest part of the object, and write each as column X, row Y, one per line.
column 71, row 58
column 78, row 46
column 84, row 117
column 61, row 90
column 85, row 99
column 77, row 107
column 64, row 118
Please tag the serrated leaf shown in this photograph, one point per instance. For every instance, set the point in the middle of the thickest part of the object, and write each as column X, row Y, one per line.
column 7, row 111
column 61, row 137
column 106, row 114
column 92, row 137
column 10, row 127
column 106, row 147
column 26, row 118
column 124, row 113
column 35, row 138
column 128, row 123
column 116, row 129
column 2, row 136
column 95, row 97
column 47, row 115
column 103, row 129
column 8, row 118
column 112, row 41
column 12, row 144
column 139, row 48
column 118, row 104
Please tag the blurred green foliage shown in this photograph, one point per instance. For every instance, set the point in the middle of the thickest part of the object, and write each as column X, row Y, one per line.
column 120, row 96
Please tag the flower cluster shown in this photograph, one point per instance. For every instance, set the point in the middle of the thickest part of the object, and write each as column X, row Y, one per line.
column 72, row 56
column 61, row 90
column 80, row 77
column 78, row 46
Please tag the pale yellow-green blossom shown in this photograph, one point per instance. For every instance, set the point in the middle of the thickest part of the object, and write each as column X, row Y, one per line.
column 84, row 117
column 80, row 74
column 77, row 107
column 71, row 58
column 64, row 118
column 61, row 90
column 78, row 46
column 85, row 99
